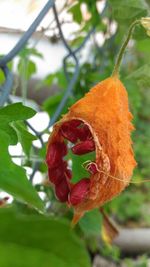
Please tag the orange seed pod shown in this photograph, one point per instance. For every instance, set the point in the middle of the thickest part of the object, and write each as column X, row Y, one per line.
column 104, row 112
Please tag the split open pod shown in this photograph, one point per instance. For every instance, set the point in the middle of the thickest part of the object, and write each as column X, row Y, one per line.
column 100, row 122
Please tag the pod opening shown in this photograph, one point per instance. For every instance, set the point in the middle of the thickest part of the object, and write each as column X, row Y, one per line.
column 73, row 139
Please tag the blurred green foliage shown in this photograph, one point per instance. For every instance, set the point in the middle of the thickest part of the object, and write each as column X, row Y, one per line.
column 37, row 240
column 46, row 240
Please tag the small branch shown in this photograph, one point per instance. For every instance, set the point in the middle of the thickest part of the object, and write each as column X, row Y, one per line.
column 123, row 47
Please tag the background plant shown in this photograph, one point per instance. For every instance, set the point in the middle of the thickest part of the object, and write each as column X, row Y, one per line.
column 47, row 237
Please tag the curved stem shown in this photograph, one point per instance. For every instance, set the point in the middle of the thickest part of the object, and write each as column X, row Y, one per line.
column 123, row 47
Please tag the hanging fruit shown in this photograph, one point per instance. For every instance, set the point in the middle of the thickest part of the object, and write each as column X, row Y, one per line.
column 99, row 122
column 103, row 118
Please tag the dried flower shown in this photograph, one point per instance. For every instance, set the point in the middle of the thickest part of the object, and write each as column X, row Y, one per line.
column 146, row 24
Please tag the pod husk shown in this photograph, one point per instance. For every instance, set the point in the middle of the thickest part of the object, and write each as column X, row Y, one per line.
column 105, row 110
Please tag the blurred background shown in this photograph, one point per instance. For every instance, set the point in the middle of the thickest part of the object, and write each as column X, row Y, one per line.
column 69, row 53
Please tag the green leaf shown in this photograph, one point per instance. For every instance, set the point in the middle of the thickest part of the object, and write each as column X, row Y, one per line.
column 52, row 102
column 39, row 241
column 26, row 52
column 76, row 12
column 4, row 125
column 141, row 75
column 31, row 69
column 95, row 17
column 139, row 34
column 34, row 257
column 42, row 153
column 134, row 97
column 26, row 68
column 143, row 46
column 91, row 222
column 77, row 41
column 13, row 177
column 57, row 78
column 11, row 113
column 77, row 165
column 24, row 137
column 34, row 52
column 128, row 10
column 2, row 77
column 132, row 200
column 16, row 112
column 47, row 81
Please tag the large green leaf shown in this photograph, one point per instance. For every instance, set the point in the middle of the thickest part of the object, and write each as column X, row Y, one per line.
column 16, row 112
column 11, row 113
column 24, row 137
column 33, row 257
column 35, row 240
column 13, row 177
column 128, row 10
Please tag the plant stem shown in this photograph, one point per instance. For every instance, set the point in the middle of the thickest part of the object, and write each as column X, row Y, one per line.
column 123, row 47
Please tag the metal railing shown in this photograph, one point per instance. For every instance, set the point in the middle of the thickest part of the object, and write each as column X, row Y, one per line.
column 6, row 88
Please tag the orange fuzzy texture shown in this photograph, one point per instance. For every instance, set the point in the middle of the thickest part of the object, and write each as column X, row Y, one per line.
column 105, row 110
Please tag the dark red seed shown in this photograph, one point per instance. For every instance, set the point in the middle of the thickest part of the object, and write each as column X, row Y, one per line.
column 84, row 133
column 69, row 132
column 79, row 191
column 63, row 149
column 56, row 174
column 75, row 123
column 68, row 174
column 92, row 168
column 55, row 153
column 53, row 156
column 62, row 190
column 83, row 147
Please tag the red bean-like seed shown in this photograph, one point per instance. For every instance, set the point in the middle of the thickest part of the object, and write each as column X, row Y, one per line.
column 56, row 174
column 59, row 175
column 53, row 156
column 75, row 123
column 79, row 191
column 92, row 168
column 69, row 132
column 63, row 148
column 68, row 174
column 83, row 147
column 55, row 153
column 62, row 190
column 84, row 133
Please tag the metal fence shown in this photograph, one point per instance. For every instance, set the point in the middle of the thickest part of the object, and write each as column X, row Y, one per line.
column 6, row 88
